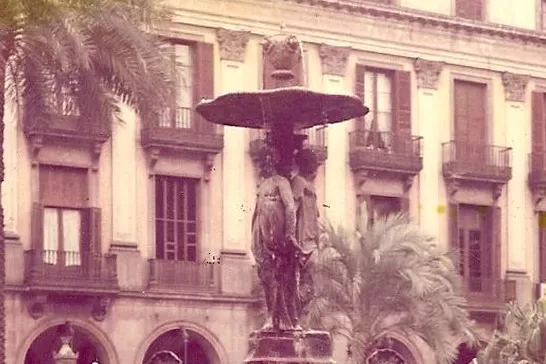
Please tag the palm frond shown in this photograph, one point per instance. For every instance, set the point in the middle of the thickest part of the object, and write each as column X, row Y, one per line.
column 392, row 276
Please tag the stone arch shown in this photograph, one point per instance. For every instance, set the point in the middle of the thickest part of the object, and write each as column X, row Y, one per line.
column 410, row 348
column 88, row 328
column 206, row 338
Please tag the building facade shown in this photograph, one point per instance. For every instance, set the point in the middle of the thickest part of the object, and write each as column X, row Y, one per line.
column 133, row 231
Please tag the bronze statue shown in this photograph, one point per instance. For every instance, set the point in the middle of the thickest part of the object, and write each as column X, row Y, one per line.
column 307, row 215
column 274, row 244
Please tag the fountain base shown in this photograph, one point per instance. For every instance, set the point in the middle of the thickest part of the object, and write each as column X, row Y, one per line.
column 294, row 347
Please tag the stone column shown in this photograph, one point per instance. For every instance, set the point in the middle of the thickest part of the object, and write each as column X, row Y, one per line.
column 235, row 246
column 124, row 196
column 517, row 138
column 338, row 181
column 429, row 119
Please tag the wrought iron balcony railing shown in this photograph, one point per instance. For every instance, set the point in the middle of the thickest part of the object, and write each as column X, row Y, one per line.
column 385, row 151
column 180, row 128
column 488, row 291
column 70, row 270
column 477, row 161
column 176, row 274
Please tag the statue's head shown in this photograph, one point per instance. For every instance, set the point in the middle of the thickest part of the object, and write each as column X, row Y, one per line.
column 307, row 162
column 269, row 160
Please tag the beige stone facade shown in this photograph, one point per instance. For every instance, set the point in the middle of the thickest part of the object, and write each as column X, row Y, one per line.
column 456, row 136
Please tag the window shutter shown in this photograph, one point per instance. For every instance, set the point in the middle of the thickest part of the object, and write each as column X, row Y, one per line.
column 495, row 233
column 402, row 112
column 37, row 226
column 453, row 224
column 359, row 92
column 537, row 131
column 91, row 230
column 203, row 82
column 542, row 246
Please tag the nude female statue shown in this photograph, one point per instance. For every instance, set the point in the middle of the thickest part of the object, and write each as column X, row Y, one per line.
column 274, row 243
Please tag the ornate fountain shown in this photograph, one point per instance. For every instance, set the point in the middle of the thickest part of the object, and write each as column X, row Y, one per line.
column 285, row 222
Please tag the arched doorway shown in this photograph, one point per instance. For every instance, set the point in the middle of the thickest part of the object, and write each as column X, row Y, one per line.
column 390, row 350
column 199, row 350
column 44, row 347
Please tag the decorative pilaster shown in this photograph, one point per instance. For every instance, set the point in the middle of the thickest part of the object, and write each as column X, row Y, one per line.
column 428, row 73
column 232, row 44
column 334, row 59
column 514, row 86
column 232, row 79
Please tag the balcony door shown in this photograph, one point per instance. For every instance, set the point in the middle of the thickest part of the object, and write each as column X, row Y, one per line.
column 470, row 121
column 372, row 208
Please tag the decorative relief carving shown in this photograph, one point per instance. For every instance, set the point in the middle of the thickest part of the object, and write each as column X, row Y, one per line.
column 36, row 305
column 334, row 59
column 100, row 308
column 428, row 73
column 232, row 44
column 514, row 86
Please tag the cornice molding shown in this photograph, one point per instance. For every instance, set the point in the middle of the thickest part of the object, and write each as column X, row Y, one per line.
column 514, row 86
column 232, row 44
column 428, row 73
column 334, row 59
column 429, row 19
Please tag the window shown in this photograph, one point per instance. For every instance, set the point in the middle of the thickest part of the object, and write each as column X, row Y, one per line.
column 476, row 238
column 61, row 100
column 387, row 93
column 470, row 122
column 63, row 198
column 176, row 218
column 180, row 117
column 469, row 9
column 378, row 97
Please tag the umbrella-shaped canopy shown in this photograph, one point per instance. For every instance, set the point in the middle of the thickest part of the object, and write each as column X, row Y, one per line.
column 294, row 106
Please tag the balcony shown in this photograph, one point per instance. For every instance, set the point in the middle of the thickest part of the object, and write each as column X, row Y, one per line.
column 66, row 129
column 183, row 130
column 70, row 272
column 385, row 152
column 316, row 140
column 479, row 163
column 537, row 171
column 176, row 275
column 488, row 294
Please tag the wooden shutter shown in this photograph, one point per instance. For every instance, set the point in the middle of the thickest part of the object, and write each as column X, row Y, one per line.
column 402, row 111
column 63, row 186
column 453, row 231
column 91, row 230
column 542, row 246
column 538, row 131
column 359, row 92
column 494, row 232
column 37, row 226
column 203, row 82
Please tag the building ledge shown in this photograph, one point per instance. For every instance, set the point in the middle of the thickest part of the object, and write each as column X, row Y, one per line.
column 430, row 19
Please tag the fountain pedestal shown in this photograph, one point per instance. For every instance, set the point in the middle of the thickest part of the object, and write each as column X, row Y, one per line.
column 290, row 347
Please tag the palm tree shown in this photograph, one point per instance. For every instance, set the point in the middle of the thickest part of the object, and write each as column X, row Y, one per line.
column 522, row 339
column 392, row 277
column 98, row 52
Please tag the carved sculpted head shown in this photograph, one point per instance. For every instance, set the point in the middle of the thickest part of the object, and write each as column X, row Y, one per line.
column 307, row 162
column 283, row 52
